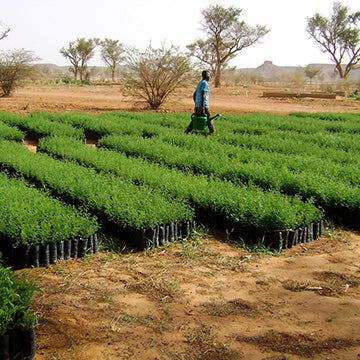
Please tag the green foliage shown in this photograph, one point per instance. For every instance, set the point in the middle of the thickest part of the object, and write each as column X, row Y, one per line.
column 15, row 67
column 67, row 80
column 266, row 171
column 120, row 201
column 40, row 126
column 31, row 216
column 339, row 35
column 112, row 54
column 226, row 35
column 314, row 156
column 79, row 53
column 15, row 300
column 10, row 132
column 355, row 94
column 246, row 205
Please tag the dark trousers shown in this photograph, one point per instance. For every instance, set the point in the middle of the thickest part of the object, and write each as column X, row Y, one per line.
column 211, row 125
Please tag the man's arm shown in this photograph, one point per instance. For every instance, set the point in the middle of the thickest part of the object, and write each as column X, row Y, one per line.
column 203, row 95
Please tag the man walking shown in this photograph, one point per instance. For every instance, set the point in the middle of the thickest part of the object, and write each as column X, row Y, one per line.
column 201, row 100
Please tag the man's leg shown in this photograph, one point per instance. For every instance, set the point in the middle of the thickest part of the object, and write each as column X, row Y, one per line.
column 211, row 124
column 189, row 128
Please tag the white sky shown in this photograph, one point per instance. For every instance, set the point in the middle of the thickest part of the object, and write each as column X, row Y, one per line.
column 45, row 26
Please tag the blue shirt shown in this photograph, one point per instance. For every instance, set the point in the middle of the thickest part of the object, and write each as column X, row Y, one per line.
column 202, row 86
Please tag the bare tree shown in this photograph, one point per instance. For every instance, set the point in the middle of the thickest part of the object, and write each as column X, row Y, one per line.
column 226, row 36
column 154, row 74
column 339, row 36
column 79, row 53
column 15, row 66
column 112, row 54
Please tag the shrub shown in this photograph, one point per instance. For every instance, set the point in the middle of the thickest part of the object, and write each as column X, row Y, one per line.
column 15, row 301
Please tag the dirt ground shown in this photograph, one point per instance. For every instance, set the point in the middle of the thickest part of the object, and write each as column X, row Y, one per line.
column 203, row 298
column 97, row 99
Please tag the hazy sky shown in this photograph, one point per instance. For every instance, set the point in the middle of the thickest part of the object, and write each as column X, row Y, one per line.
column 45, row 26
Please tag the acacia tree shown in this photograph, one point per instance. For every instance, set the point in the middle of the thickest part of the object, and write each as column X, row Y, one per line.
column 154, row 74
column 73, row 55
column 15, row 66
column 79, row 53
column 338, row 35
column 226, row 35
column 112, row 54
column 311, row 72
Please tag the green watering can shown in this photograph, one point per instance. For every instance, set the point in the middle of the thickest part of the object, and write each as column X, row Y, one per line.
column 201, row 122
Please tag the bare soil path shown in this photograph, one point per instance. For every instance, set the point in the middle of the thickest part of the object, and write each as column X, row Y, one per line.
column 97, row 99
column 203, row 299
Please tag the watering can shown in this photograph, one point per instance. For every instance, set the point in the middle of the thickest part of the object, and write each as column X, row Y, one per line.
column 201, row 122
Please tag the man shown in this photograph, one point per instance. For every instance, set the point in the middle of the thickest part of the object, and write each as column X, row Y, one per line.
column 201, row 100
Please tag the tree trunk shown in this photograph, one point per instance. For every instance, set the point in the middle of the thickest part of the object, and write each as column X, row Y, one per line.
column 340, row 70
column 75, row 72
column 113, row 70
column 217, row 79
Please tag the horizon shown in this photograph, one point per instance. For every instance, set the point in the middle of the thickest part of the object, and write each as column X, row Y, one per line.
column 265, row 61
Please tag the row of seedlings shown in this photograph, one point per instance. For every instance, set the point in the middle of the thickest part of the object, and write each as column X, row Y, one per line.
column 8, row 132
column 117, row 123
column 299, row 138
column 219, row 203
column 332, row 180
column 132, row 208
column 329, row 193
column 287, row 134
column 334, row 194
column 40, row 126
column 38, row 230
column 334, row 187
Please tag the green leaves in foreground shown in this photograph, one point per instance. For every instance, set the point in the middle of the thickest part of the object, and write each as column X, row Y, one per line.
column 15, row 299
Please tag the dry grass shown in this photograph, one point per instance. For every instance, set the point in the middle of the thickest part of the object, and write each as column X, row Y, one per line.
column 202, row 344
column 303, row 345
column 232, row 307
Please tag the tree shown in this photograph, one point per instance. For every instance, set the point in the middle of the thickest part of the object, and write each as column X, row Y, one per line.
column 73, row 55
column 338, row 35
column 311, row 72
column 226, row 35
column 154, row 74
column 15, row 66
column 112, row 53
column 79, row 53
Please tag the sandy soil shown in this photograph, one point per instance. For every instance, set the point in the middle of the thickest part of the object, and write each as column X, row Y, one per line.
column 106, row 98
column 203, row 298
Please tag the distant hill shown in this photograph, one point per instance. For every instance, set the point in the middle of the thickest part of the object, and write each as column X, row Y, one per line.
column 52, row 68
column 269, row 70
